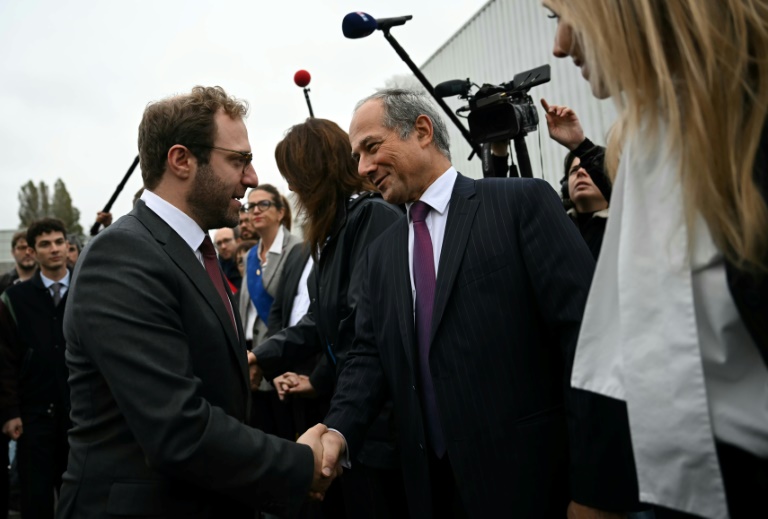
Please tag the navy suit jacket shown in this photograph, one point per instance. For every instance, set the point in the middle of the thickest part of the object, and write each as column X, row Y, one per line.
column 511, row 287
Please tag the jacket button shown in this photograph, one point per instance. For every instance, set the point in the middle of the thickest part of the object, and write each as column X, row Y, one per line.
column 413, row 387
column 421, row 447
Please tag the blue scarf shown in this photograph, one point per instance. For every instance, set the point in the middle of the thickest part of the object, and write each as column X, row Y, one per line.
column 259, row 295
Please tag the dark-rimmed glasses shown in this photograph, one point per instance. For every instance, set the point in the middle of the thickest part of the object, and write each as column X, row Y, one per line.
column 247, row 155
column 262, row 206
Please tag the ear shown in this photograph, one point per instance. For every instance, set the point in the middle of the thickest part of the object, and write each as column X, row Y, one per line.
column 424, row 131
column 181, row 163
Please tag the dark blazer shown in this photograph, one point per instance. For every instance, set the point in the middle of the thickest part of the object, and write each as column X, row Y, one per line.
column 32, row 372
column 750, row 289
column 160, row 392
column 329, row 327
column 282, row 306
column 511, row 288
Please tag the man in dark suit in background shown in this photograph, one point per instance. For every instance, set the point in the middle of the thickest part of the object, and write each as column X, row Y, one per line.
column 156, row 350
column 468, row 318
column 34, row 396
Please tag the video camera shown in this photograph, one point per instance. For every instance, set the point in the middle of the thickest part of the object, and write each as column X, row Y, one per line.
column 498, row 112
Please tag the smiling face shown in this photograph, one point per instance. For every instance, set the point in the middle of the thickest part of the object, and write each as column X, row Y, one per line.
column 217, row 187
column 395, row 166
column 567, row 44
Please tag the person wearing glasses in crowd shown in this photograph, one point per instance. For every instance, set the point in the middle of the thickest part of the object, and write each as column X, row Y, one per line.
column 271, row 218
column 244, row 225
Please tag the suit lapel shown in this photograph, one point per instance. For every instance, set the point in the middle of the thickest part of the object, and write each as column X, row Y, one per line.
column 403, row 292
column 461, row 214
column 180, row 253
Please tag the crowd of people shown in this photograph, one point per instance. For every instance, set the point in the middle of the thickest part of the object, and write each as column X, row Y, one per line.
column 444, row 346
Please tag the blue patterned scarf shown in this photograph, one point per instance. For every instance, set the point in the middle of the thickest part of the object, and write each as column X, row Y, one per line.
column 259, row 295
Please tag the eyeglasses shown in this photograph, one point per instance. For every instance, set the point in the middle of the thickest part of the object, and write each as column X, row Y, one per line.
column 262, row 206
column 219, row 243
column 247, row 156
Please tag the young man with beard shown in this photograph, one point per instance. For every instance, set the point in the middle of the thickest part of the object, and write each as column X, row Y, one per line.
column 25, row 262
column 34, row 396
column 155, row 350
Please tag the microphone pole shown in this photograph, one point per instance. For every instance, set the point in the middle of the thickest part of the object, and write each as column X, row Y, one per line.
column 302, row 79
column 120, row 186
column 309, row 104
column 424, row 81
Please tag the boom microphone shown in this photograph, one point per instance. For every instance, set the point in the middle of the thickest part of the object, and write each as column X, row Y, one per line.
column 360, row 24
column 302, row 78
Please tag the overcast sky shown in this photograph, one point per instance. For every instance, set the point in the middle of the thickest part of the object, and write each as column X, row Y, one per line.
column 76, row 76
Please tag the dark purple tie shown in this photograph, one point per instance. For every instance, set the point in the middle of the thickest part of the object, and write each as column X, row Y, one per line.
column 424, row 279
column 214, row 272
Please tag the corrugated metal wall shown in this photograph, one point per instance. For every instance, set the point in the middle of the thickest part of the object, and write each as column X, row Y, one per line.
column 504, row 38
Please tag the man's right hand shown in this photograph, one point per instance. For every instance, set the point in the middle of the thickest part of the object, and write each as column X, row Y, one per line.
column 563, row 125
column 13, row 428
column 323, row 475
column 254, row 372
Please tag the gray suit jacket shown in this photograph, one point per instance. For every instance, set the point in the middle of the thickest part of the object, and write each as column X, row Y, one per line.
column 159, row 389
column 271, row 274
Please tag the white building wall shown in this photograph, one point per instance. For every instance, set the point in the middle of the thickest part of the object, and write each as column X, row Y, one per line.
column 504, row 38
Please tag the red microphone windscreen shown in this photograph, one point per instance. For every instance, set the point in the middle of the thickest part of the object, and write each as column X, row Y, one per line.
column 301, row 78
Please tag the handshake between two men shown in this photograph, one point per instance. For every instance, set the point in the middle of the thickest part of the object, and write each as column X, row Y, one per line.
column 327, row 448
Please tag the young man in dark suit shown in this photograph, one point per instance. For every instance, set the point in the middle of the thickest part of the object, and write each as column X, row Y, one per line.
column 34, row 396
column 468, row 319
column 155, row 348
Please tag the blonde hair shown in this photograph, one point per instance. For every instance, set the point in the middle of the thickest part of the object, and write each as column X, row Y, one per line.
column 699, row 68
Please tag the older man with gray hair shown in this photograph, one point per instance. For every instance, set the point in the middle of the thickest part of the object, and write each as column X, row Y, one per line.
column 468, row 318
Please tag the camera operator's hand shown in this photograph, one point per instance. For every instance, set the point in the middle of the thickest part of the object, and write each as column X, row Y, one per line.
column 500, row 148
column 563, row 125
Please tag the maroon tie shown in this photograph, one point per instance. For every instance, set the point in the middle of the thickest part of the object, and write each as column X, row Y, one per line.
column 424, row 279
column 217, row 276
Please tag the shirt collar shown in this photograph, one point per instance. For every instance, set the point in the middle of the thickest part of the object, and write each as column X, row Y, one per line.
column 177, row 219
column 277, row 244
column 439, row 193
column 47, row 282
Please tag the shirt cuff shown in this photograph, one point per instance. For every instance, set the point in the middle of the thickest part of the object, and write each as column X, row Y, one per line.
column 346, row 462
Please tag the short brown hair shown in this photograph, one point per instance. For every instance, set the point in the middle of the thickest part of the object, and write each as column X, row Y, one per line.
column 18, row 235
column 315, row 157
column 185, row 119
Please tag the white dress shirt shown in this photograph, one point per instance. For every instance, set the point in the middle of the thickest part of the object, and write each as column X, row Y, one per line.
column 301, row 300
column 177, row 220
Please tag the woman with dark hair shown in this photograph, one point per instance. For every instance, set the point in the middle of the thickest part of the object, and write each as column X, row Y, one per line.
column 344, row 214
column 270, row 218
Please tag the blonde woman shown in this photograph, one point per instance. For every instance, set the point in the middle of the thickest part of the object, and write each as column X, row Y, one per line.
column 676, row 320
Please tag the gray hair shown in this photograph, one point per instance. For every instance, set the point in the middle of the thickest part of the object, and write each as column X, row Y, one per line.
column 401, row 109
